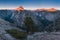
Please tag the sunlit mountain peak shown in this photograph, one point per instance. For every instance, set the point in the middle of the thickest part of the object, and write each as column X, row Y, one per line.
column 48, row 9
column 20, row 8
column 52, row 10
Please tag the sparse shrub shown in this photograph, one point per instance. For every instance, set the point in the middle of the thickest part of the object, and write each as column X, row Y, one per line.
column 17, row 34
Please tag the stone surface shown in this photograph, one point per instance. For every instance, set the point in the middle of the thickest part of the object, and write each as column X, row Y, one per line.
column 44, row 36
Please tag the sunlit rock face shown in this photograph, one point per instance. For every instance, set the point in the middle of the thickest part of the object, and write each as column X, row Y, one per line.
column 48, row 9
column 20, row 8
column 52, row 10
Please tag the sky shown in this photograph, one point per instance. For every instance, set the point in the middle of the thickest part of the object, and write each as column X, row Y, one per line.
column 29, row 4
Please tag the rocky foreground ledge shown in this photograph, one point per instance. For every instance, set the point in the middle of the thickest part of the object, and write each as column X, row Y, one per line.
column 44, row 36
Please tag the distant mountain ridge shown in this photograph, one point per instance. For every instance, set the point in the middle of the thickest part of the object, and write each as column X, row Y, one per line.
column 48, row 9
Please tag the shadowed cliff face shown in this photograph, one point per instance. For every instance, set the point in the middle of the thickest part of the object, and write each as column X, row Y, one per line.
column 19, row 16
column 6, row 14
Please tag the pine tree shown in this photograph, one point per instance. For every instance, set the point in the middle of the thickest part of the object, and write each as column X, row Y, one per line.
column 29, row 24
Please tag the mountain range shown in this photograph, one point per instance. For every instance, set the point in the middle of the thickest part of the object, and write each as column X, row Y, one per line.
column 39, row 17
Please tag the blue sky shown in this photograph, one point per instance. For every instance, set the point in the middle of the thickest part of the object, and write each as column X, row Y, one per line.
column 30, row 4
